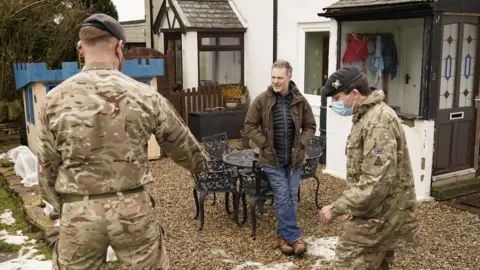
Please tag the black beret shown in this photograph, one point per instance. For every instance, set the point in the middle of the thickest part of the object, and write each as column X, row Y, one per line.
column 341, row 79
column 106, row 23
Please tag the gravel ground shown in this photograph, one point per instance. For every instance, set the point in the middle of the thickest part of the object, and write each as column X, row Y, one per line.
column 450, row 238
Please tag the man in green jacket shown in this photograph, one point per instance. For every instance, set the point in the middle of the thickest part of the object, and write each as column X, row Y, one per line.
column 281, row 123
column 380, row 201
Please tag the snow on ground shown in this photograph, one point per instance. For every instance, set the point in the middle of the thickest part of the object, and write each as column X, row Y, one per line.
column 322, row 249
column 17, row 239
column 260, row 266
column 26, row 259
column 7, row 218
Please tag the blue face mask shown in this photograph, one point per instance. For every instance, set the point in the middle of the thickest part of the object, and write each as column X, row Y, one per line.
column 340, row 109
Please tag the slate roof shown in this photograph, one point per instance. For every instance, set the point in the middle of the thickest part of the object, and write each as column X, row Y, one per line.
column 208, row 14
column 360, row 3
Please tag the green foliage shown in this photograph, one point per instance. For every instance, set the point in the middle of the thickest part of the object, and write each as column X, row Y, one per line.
column 103, row 6
column 36, row 31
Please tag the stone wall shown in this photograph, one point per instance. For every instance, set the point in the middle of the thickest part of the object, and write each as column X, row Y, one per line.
column 30, row 200
column 9, row 132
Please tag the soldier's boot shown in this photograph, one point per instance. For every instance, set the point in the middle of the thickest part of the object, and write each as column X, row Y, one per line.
column 284, row 247
column 299, row 247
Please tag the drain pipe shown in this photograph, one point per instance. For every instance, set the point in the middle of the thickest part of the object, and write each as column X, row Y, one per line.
column 275, row 26
column 152, row 43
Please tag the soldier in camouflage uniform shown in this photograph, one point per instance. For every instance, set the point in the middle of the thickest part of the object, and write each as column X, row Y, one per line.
column 379, row 204
column 93, row 163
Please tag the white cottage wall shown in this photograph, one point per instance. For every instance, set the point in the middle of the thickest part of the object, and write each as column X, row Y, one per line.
column 258, row 43
column 294, row 19
column 190, row 59
column 419, row 133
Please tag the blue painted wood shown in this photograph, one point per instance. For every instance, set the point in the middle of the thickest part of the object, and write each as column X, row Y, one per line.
column 144, row 80
column 26, row 73
column 49, row 86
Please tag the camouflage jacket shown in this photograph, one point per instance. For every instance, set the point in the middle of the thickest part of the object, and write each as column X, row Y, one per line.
column 93, row 133
column 381, row 193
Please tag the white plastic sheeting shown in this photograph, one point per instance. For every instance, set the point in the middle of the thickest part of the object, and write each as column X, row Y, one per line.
column 26, row 164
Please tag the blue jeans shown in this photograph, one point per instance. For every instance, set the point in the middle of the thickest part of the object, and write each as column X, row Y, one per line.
column 285, row 191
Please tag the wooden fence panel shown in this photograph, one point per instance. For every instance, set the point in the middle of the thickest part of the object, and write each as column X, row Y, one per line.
column 203, row 98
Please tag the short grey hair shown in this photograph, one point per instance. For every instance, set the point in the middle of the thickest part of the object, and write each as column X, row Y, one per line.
column 283, row 64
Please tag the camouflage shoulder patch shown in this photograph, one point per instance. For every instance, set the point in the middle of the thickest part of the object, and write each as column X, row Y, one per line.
column 378, row 162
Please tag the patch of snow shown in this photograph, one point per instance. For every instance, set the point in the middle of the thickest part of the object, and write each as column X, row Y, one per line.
column 13, row 239
column 26, row 252
column 229, row 261
column 221, row 253
column 48, row 208
column 111, row 256
column 7, row 218
column 321, row 248
column 26, row 264
column 260, row 266
column 321, row 265
column 247, row 264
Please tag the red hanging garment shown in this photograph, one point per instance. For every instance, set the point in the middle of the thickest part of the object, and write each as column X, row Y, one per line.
column 357, row 50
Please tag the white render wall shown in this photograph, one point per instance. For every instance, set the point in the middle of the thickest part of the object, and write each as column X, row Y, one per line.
column 294, row 19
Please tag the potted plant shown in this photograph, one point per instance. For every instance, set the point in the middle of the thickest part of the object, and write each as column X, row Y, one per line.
column 231, row 95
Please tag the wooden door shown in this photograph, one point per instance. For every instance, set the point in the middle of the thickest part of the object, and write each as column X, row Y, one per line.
column 456, row 117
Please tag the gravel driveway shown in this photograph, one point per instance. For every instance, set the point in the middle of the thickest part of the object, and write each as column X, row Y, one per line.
column 450, row 238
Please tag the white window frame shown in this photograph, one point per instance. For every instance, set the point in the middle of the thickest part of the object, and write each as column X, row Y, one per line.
column 303, row 28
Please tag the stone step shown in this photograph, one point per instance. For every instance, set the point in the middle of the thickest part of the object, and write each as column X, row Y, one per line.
column 457, row 189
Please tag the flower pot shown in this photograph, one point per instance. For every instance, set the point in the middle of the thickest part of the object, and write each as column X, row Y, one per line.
column 232, row 104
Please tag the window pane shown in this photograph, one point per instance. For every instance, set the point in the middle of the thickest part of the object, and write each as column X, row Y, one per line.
column 220, row 67
column 316, row 61
column 209, row 41
column 449, row 57
column 469, row 44
column 229, row 41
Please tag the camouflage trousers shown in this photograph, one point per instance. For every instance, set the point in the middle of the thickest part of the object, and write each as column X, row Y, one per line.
column 352, row 260
column 126, row 222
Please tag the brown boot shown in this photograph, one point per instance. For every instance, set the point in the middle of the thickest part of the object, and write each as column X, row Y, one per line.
column 298, row 247
column 284, row 247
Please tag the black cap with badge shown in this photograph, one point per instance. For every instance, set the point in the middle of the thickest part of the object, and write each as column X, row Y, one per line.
column 341, row 79
column 106, row 23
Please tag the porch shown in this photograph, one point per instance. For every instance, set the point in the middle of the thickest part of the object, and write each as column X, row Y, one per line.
column 430, row 78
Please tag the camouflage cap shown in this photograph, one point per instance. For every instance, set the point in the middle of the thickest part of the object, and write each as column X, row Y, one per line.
column 106, row 23
column 341, row 79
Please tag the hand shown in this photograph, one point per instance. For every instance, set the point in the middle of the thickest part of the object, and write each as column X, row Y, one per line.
column 326, row 213
column 54, row 215
column 347, row 217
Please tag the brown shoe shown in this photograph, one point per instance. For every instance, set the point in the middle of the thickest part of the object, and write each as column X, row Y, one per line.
column 284, row 247
column 298, row 247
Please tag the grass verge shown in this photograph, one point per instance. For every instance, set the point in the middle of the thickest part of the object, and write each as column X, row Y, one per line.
column 7, row 202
